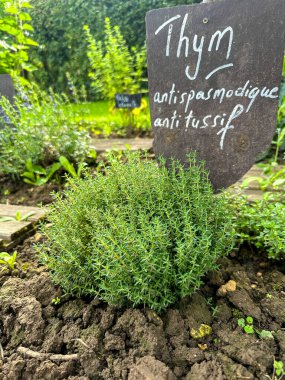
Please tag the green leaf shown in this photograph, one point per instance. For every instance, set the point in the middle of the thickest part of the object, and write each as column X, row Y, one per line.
column 28, row 175
column 4, row 255
column 12, row 10
column 41, row 181
column 249, row 320
column 68, row 166
column 26, row 4
column 264, row 334
column 241, row 322
column 39, row 170
column 249, row 329
column 29, row 41
column 24, row 16
column 27, row 27
column 7, row 219
column 29, row 165
column 27, row 216
column 54, row 168
column 278, row 365
column 26, row 180
column 8, row 260
column 279, row 182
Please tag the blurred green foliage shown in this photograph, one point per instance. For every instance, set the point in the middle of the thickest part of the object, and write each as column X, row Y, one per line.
column 15, row 36
column 59, row 30
column 114, row 67
column 43, row 130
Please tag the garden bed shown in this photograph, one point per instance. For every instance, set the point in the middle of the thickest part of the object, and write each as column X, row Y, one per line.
column 45, row 334
column 20, row 193
column 87, row 339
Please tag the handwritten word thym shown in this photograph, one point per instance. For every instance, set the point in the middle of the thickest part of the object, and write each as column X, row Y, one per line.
column 198, row 45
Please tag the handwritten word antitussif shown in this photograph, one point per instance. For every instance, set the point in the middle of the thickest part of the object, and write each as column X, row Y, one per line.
column 222, row 121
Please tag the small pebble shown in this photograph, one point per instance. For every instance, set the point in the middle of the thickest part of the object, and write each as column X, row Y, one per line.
column 230, row 286
column 259, row 274
column 38, row 236
column 264, row 265
column 253, row 286
column 203, row 347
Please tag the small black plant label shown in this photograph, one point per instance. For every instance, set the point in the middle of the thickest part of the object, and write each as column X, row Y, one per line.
column 7, row 90
column 214, row 79
column 128, row 101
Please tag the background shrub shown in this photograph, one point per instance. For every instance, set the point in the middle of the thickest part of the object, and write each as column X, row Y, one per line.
column 137, row 233
column 262, row 224
column 58, row 27
column 42, row 130
column 15, row 36
column 113, row 67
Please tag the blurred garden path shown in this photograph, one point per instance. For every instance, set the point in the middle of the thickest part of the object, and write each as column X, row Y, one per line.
column 105, row 145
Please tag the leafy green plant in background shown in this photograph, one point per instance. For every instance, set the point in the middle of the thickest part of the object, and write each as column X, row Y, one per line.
column 37, row 175
column 261, row 224
column 7, row 260
column 58, row 25
column 274, row 174
column 70, row 169
column 44, row 129
column 117, row 69
column 15, row 36
column 114, row 68
column 137, row 233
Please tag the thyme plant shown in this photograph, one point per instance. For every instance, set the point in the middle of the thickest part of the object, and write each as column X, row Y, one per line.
column 138, row 232
column 261, row 224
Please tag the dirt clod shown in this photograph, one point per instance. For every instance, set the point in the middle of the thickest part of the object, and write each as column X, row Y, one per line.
column 110, row 343
column 148, row 368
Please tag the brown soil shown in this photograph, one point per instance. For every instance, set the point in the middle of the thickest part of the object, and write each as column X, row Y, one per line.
column 20, row 193
column 87, row 339
column 80, row 339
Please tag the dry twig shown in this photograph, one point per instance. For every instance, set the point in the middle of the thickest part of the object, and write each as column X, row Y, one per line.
column 42, row 356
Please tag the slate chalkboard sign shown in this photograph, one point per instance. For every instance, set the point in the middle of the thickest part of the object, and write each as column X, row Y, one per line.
column 7, row 90
column 214, row 78
column 128, row 101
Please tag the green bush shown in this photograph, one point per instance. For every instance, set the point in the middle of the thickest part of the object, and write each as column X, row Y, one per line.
column 139, row 233
column 42, row 129
column 262, row 224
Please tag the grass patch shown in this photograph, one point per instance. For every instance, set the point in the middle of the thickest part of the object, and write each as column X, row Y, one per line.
column 102, row 119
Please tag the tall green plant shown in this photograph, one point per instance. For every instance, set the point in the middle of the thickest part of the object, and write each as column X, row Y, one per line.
column 114, row 68
column 15, row 36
